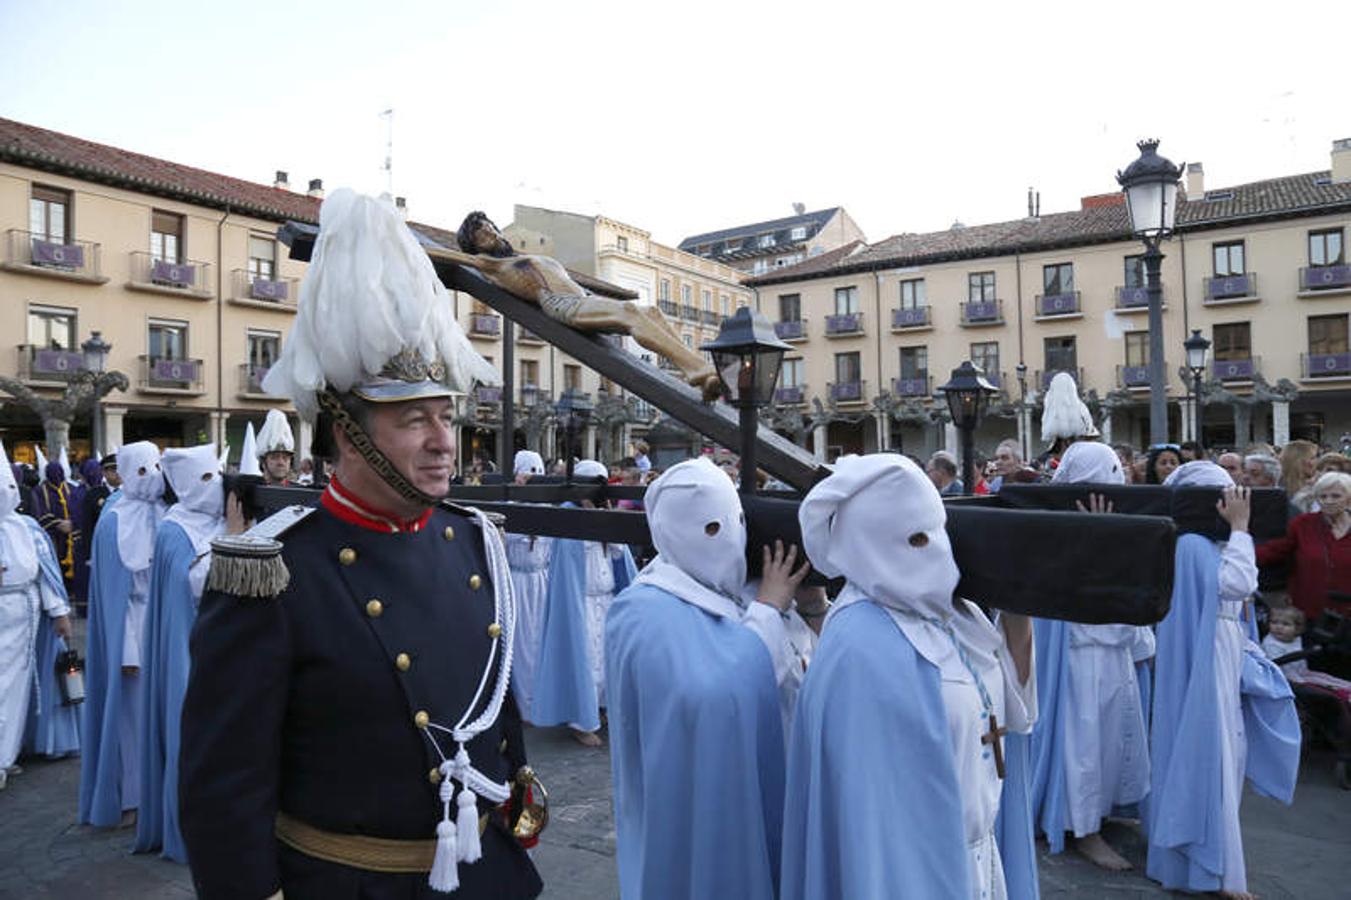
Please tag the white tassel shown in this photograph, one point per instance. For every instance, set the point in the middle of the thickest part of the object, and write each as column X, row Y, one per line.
column 445, row 875
column 470, row 849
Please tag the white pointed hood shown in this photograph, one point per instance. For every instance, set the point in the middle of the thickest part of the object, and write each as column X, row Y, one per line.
column 16, row 541
column 248, row 457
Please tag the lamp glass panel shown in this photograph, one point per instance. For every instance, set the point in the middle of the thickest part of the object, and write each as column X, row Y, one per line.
column 767, row 365
column 728, row 364
column 1169, row 212
column 1196, row 356
column 93, row 358
column 1145, row 201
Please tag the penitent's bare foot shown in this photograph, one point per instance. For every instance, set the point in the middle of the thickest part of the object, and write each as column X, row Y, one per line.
column 586, row 738
column 1094, row 849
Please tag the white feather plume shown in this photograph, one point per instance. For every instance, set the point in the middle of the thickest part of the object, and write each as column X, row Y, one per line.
column 1063, row 414
column 369, row 293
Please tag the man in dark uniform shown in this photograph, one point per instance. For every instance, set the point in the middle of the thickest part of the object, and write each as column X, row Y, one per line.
column 352, row 735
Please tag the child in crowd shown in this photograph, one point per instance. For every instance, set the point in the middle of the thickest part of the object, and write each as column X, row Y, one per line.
column 1323, row 698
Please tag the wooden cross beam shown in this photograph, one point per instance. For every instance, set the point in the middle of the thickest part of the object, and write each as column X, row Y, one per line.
column 717, row 421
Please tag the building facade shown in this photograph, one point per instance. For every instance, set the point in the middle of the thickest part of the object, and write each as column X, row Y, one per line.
column 1261, row 270
column 763, row 247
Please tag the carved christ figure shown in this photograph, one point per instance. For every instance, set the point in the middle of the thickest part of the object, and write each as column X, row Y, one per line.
column 544, row 281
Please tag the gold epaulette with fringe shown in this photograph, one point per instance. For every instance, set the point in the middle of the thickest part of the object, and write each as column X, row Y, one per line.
column 250, row 564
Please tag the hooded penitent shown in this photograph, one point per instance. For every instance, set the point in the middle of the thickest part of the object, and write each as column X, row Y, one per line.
column 699, row 531
column 528, row 462
column 1089, row 463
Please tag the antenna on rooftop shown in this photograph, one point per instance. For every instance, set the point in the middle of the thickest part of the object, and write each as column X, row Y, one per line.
column 799, row 208
column 388, row 116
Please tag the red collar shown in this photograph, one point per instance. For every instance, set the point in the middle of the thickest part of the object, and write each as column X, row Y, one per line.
column 345, row 505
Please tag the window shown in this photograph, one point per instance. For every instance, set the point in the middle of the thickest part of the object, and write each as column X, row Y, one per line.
column 166, row 237
column 572, row 377
column 846, row 301
column 622, row 243
column 1137, row 348
column 848, row 368
column 790, row 307
column 1055, row 279
column 766, row 240
column 529, row 372
column 263, row 347
column 168, row 340
column 1135, row 272
column 791, row 259
column 980, row 286
column 49, row 215
column 1061, row 355
column 1232, row 341
column 687, row 295
column 707, row 297
column 664, row 289
column 1327, row 334
column 689, row 341
column 262, row 259
column 1228, row 259
column 1325, row 248
column 914, row 362
column 760, row 267
column 790, row 374
column 725, row 303
column 732, row 246
column 912, row 294
column 799, row 233
column 986, row 355
column 52, row 328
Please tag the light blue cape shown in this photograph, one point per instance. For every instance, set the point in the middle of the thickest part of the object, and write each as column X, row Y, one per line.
column 53, row 729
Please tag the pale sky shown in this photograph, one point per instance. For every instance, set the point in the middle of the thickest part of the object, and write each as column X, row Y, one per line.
column 692, row 116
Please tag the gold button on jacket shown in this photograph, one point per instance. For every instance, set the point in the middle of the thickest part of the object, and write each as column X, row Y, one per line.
column 347, row 556
column 494, row 630
column 474, row 582
column 420, row 718
column 374, row 609
column 449, row 533
column 402, row 662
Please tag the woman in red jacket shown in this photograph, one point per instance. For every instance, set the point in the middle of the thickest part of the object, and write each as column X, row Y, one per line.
column 1318, row 549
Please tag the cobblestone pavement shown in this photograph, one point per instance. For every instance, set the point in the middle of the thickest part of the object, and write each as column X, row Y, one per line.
column 1293, row 852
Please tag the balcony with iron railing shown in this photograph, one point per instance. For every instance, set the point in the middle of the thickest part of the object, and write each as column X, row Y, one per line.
column 911, row 318
column 1135, row 299
column 247, row 289
column 847, row 391
column 791, row 330
column 251, row 377
column 1321, row 281
column 917, row 386
column 486, row 395
column 1325, row 366
column 171, row 376
column 1043, row 378
column 844, row 324
column 1134, row 378
column 31, row 255
column 159, row 276
column 526, row 336
column 669, row 307
column 709, row 317
column 689, row 312
column 790, row 395
column 1242, row 369
column 980, row 313
column 1058, row 306
column 530, row 394
column 1221, row 290
column 485, row 325
column 48, row 365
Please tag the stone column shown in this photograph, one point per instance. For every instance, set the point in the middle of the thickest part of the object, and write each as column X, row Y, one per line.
column 216, row 427
column 1186, row 407
column 305, row 440
column 589, row 443
column 1280, row 422
column 883, row 431
column 112, row 427
column 819, row 439
column 952, row 441
column 1107, row 427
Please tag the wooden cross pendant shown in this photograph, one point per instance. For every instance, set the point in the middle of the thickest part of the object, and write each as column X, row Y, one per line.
column 992, row 737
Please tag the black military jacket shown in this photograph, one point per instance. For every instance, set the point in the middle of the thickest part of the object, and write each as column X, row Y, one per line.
column 309, row 703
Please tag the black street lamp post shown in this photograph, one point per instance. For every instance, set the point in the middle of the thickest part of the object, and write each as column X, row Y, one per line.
column 574, row 411
column 96, row 351
column 1150, row 185
column 748, row 355
column 967, row 392
column 1197, row 348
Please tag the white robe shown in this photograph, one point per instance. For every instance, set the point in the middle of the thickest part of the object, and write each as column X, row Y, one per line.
column 1013, row 702
column 790, row 642
column 600, row 593
column 528, row 557
column 21, row 603
column 1238, row 580
column 1106, row 741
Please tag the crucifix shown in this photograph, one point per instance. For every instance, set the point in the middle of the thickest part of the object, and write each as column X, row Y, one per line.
column 992, row 737
column 1004, row 554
